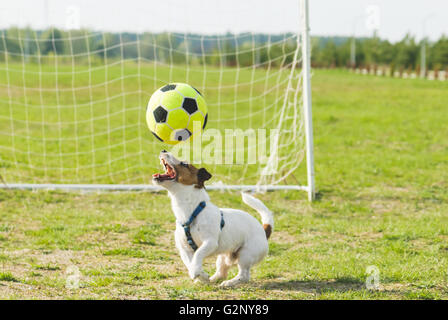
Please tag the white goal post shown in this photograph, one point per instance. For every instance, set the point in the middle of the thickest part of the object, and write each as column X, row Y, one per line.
column 72, row 106
column 306, row 62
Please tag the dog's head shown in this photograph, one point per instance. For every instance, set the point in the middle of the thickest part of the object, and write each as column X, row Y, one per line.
column 179, row 172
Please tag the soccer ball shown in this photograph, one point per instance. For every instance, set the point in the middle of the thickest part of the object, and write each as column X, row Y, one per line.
column 173, row 109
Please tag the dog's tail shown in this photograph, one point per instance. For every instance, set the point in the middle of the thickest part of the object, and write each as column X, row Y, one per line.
column 267, row 218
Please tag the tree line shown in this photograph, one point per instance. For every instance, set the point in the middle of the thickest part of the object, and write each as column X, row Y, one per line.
column 370, row 52
column 262, row 50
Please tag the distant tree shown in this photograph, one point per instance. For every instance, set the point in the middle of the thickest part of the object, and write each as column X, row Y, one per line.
column 277, row 55
column 438, row 57
column 10, row 44
column 407, row 52
column 109, row 46
column 227, row 50
column 128, row 45
column 53, row 42
column 148, row 48
column 343, row 56
column 329, row 55
column 246, row 55
column 80, row 42
column 372, row 51
column 386, row 52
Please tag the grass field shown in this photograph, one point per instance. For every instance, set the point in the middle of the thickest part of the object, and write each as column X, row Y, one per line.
column 381, row 153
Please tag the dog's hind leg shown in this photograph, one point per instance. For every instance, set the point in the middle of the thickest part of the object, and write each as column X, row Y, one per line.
column 248, row 256
column 222, row 268
column 245, row 262
column 242, row 276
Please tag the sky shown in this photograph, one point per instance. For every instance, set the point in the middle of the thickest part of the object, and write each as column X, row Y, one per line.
column 392, row 19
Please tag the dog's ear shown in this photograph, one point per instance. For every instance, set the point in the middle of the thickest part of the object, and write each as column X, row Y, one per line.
column 203, row 175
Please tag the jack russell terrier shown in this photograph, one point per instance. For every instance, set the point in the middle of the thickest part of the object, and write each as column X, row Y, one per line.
column 203, row 229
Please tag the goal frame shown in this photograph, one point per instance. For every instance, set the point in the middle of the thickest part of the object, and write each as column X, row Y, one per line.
column 307, row 113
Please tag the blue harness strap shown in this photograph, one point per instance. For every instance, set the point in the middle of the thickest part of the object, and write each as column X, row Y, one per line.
column 193, row 216
column 223, row 223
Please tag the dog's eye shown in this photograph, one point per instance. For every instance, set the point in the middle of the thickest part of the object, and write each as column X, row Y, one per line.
column 184, row 164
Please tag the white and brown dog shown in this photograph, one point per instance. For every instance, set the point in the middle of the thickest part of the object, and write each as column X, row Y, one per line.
column 203, row 229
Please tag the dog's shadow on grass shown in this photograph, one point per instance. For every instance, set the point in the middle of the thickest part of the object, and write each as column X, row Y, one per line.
column 315, row 286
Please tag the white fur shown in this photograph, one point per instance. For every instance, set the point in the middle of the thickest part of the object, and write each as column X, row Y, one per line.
column 266, row 214
column 241, row 241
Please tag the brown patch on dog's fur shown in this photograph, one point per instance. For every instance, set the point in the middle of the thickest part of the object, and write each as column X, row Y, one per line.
column 188, row 174
column 268, row 230
column 235, row 254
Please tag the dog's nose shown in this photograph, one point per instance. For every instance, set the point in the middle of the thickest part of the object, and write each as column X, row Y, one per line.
column 164, row 151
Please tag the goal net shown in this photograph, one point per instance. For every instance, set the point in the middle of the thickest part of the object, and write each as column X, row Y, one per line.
column 73, row 100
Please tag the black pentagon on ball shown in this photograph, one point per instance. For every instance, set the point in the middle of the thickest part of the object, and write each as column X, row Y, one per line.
column 160, row 114
column 182, row 135
column 168, row 87
column 190, row 105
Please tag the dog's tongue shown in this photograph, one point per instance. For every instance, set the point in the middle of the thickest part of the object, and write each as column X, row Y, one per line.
column 162, row 176
column 169, row 173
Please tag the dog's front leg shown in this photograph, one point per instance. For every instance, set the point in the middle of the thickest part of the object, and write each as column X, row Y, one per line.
column 185, row 254
column 206, row 249
column 186, row 257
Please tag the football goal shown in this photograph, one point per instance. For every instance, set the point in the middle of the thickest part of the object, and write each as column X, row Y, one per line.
column 73, row 95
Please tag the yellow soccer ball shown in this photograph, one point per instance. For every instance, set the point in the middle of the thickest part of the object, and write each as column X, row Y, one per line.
column 173, row 109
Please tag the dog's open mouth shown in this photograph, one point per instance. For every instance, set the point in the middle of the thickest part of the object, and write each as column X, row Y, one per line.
column 170, row 173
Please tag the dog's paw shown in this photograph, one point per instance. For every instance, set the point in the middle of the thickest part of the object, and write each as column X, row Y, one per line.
column 232, row 283
column 228, row 284
column 199, row 276
column 203, row 277
column 216, row 277
column 193, row 273
column 200, row 281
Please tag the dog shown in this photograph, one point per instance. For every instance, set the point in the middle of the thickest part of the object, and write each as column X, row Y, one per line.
column 204, row 230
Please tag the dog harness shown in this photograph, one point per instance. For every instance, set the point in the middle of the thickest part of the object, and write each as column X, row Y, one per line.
column 193, row 216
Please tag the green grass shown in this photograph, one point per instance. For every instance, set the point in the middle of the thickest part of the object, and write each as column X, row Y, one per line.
column 382, row 173
column 7, row 276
